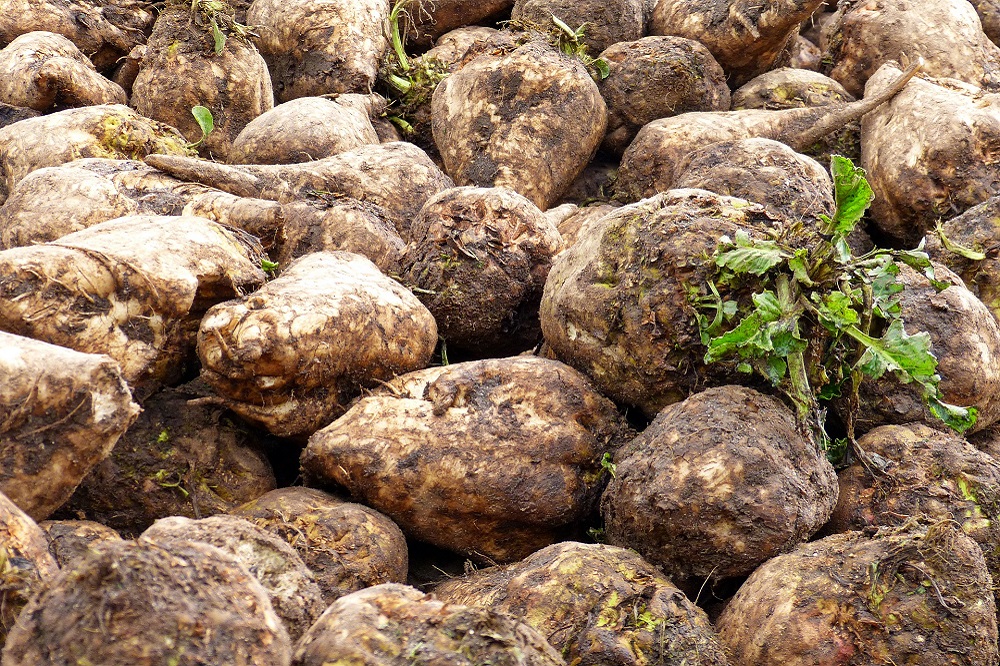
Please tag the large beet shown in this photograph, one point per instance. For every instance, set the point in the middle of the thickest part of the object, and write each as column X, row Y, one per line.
column 183, row 67
column 395, row 625
column 529, row 120
column 603, row 22
column 492, row 459
column 291, row 355
column 616, row 303
column 479, row 257
column 929, row 153
column 42, row 70
column 930, row 475
column 596, row 604
column 656, row 77
column 347, row 546
column 717, row 485
column 136, row 603
column 61, row 412
column 316, row 47
column 178, row 459
column 70, row 540
column 918, row 597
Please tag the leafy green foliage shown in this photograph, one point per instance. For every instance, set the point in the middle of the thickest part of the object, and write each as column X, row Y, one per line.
column 408, row 84
column 220, row 19
column 799, row 293
column 268, row 266
column 203, row 116
column 570, row 42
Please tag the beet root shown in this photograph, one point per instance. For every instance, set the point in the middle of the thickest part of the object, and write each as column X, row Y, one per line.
column 530, row 121
column 717, row 485
column 347, row 546
column 492, row 459
column 903, row 596
column 189, row 604
column 61, row 413
column 596, row 604
column 25, row 563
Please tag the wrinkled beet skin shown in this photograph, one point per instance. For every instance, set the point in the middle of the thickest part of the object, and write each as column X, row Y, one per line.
column 717, row 485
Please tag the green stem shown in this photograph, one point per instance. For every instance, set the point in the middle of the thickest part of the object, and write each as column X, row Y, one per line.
column 397, row 37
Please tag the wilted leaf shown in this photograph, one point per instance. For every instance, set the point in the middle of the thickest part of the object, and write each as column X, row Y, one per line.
column 852, row 194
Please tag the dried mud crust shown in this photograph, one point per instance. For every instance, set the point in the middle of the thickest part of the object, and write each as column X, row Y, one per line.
column 595, row 604
column 479, row 258
column 181, row 69
column 616, row 306
column 899, row 597
column 529, row 120
column 178, row 459
column 105, row 30
column 290, row 586
column 604, row 22
column 136, row 603
column 656, row 77
column 932, row 476
column 492, row 459
column 717, row 485
column 61, row 412
column 395, row 625
column 347, row 546
column 291, row 355
column 26, row 565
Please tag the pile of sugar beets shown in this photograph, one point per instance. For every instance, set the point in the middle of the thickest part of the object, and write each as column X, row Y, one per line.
column 371, row 332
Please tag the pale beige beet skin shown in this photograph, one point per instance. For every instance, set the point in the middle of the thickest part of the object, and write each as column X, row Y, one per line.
column 929, row 154
column 529, row 120
column 921, row 596
column 746, row 37
column 347, row 546
column 42, row 70
column 585, row 599
column 53, row 202
column 491, row 459
column 717, row 485
column 656, row 77
column 61, row 413
column 397, row 176
column 133, row 288
column 104, row 30
column 290, row 356
column 478, row 258
column 305, row 129
column 931, row 475
column 396, row 625
column 290, row 586
column 107, row 130
column 196, row 595
column 866, row 34
column 317, row 47
column 177, row 459
column 180, row 70
column 25, row 563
